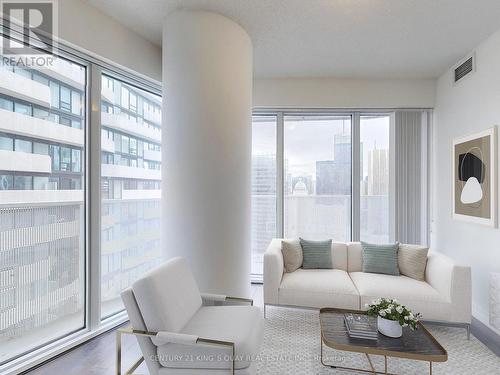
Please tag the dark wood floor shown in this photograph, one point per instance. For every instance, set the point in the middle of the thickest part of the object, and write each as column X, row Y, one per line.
column 97, row 356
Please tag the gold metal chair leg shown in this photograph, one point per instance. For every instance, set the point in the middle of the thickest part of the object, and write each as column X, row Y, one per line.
column 118, row 352
column 134, row 367
column 137, row 332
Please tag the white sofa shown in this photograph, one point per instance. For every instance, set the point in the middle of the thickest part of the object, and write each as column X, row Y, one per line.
column 444, row 296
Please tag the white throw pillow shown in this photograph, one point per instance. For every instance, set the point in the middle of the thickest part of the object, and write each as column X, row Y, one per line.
column 292, row 254
column 412, row 260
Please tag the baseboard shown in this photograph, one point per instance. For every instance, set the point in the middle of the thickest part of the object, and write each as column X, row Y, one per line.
column 486, row 335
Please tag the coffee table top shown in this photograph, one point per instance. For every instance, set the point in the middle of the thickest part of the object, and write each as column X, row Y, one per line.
column 418, row 344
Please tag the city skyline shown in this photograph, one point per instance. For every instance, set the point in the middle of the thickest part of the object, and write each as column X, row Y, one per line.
column 305, row 213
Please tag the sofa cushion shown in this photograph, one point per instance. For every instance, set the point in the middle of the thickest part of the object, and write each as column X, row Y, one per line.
column 354, row 257
column 339, row 255
column 316, row 254
column 167, row 296
column 318, row 288
column 416, row 295
column 292, row 254
column 412, row 260
column 242, row 325
column 380, row 258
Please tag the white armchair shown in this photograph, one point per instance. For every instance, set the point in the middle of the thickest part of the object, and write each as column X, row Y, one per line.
column 181, row 331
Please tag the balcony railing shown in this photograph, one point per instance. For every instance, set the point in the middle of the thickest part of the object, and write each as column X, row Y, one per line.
column 71, row 74
column 24, row 162
column 152, row 155
column 126, row 125
column 123, row 171
column 15, row 85
column 22, row 198
column 141, row 194
column 27, row 126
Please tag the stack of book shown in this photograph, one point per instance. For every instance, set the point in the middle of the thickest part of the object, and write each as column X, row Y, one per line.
column 360, row 326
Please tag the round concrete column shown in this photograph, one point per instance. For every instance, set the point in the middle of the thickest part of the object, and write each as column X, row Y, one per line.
column 206, row 150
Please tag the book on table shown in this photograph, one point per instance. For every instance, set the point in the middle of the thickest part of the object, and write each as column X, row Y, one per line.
column 361, row 326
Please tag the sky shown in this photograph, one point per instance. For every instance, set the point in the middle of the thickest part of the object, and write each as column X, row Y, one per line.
column 310, row 140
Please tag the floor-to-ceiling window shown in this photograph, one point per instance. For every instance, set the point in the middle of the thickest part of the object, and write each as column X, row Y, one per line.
column 303, row 163
column 317, row 176
column 130, row 188
column 374, row 178
column 79, row 199
column 264, row 167
column 42, row 205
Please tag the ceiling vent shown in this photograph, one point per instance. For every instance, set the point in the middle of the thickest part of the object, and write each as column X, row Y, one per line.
column 465, row 68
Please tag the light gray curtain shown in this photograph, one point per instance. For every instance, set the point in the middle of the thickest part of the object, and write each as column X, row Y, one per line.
column 410, row 177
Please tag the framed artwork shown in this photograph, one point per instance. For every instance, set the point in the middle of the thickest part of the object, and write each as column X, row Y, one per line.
column 475, row 178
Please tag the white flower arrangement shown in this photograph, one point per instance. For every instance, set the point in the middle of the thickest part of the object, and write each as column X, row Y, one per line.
column 391, row 309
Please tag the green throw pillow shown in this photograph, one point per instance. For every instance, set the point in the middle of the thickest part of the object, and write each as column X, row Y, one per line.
column 380, row 258
column 316, row 254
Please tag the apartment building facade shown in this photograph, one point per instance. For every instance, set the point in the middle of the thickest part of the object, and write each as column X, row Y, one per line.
column 42, row 197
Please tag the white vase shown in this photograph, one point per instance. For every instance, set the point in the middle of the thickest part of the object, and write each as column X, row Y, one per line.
column 390, row 328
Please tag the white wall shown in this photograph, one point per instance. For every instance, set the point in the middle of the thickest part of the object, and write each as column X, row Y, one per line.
column 88, row 28
column 343, row 93
column 470, row 106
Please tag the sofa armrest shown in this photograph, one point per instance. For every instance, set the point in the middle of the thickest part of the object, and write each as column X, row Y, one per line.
column 273, row 271
column 453, row 282
column 210, row 299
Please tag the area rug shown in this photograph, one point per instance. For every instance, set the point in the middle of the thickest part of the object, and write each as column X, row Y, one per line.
column 291, row 346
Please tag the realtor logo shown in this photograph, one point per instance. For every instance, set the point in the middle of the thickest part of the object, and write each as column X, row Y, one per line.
column 30, row 27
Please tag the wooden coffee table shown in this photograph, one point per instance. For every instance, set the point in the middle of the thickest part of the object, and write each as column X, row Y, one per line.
column 418, row 345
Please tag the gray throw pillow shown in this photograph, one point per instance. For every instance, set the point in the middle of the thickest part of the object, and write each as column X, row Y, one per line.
column 292, row 254
column 380, row 258
column 317, row 254
column 412, row 260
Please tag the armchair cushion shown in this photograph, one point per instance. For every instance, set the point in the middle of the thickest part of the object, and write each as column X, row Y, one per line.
column 242, row 325
column 167, row 296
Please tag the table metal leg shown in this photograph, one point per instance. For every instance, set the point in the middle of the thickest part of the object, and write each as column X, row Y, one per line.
column 371, row 364
column 372, row 369
column 430, row 368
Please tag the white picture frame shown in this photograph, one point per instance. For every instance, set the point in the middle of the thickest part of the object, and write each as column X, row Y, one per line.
column 492, row 221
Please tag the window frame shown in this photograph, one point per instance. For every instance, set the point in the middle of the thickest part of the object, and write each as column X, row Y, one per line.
column 356, row 115
column 90, row 156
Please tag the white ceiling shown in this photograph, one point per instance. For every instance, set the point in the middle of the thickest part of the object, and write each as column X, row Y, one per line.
column 337, row 38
